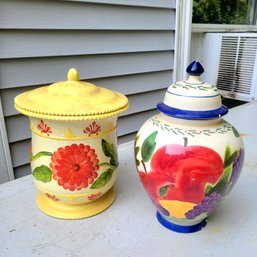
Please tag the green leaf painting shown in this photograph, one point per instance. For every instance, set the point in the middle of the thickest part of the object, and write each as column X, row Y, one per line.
column 229, row 157
column 236, row 133
column 163, row 190
column 110, row 150
column 137, row 150
column 103, row 179
column 148, row 147
column 223, row 183
column 42, row 173
column 39, row 154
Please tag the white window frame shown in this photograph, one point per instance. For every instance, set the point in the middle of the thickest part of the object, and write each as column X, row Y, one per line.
column 209, row 27
column 183, row 38
column 203, row 28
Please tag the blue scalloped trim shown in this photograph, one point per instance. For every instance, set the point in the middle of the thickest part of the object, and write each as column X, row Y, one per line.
column 192, row 115
column 179, row 228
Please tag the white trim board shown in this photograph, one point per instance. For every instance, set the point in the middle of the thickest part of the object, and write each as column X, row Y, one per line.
column 183, row 38
column 203, row 28
column 6, row 169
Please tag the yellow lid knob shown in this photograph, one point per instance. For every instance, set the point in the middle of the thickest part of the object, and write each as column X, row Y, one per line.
column 73, row 75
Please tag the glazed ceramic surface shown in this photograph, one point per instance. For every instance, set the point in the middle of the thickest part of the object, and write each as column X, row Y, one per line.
column 74, row 162
column 73, row 154
column 188, row 157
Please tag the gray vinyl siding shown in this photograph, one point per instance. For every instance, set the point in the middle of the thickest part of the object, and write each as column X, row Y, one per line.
column 123, row 45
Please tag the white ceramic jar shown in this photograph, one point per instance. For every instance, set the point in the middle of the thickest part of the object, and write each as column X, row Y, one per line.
column 188, row 157
column 73, row 155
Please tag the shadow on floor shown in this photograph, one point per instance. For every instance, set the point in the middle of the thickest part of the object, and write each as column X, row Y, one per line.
column 230, row 103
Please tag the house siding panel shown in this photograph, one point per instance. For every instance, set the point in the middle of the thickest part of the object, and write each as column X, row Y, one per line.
column 127, row 46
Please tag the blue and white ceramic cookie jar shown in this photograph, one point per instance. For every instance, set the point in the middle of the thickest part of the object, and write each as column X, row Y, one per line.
column 188, row 157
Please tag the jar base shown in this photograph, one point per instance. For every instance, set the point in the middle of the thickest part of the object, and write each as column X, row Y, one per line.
column 75, row 211
column 180, row 228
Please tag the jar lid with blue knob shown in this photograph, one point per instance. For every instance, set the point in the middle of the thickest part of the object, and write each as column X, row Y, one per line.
column 192, row 98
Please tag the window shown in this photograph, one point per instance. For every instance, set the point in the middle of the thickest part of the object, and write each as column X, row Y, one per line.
column 241, row 12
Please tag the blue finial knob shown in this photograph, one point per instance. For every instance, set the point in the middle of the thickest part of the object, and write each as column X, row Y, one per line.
column 195, row 68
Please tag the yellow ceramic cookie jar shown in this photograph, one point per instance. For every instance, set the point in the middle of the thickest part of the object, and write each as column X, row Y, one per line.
column 73, row 154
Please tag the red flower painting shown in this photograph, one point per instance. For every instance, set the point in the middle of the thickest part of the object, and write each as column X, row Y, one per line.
column 92, row 129
column 44, row 128
column 52, row 197
column 181, row 173
column 93, row 197
column 74, row 167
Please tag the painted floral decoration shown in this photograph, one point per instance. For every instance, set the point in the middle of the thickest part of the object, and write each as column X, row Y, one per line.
column 44, row 128
column 74, row 167
column 92, row 129
column 93, row 197
column 52, row 197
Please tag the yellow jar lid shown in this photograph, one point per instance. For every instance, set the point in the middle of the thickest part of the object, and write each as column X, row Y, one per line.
column 71, row 100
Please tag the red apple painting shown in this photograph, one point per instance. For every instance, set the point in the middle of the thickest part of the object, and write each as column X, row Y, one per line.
column 186, row 181
column 187, row 169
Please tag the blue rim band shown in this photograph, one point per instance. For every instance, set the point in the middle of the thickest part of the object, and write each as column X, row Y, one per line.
column 179, row 228
column 192, row 115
